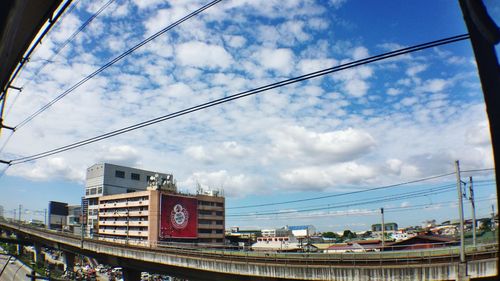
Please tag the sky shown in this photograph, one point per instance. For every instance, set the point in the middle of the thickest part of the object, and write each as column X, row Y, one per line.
column 389, row 122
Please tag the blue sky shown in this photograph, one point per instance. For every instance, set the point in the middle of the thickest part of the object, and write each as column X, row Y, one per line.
column 389, row 122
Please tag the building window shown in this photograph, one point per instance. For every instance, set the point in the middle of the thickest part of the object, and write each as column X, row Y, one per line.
column 135, row 176
column 120, row 174
column 99, row 190
column 219, row 213
column 219, row 222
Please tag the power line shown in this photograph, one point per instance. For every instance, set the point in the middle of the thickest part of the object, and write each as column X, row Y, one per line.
column 70, row 38
column 361, row 212
column 348, row 204
column 237, row 96
column 411, row 193
column 115, row 60
column 342, row 194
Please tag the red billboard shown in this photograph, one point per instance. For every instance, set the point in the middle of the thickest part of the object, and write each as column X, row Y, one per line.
column 178, row 217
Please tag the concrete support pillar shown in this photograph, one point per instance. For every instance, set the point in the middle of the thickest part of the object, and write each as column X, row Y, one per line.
column 38, row 258
column 130, row 274
column 462, row 272
column 19, row 249
column 69, row 261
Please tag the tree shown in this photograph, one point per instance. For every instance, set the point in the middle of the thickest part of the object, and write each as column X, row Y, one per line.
column 330, row 234
column 348, row 234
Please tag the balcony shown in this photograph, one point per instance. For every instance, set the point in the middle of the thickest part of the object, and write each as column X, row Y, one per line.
column 210, row 217
column 210, row 208
column 123, row 232
column 211, row 226
column 123, row 204
column 211, row 235
column 123, row 214
column 124, row 223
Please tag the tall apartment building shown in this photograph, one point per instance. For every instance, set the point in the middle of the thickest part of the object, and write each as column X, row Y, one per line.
column 156, row 215
column 107, row 179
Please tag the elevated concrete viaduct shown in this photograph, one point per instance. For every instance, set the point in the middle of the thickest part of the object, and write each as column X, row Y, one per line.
column 204, row 264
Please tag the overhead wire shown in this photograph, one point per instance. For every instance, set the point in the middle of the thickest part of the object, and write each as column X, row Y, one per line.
column 361, row 211
column 345, row 204
column 341, row 194
column 68, row 40
column 240, row 95
column 450, row 186
column 115, row 60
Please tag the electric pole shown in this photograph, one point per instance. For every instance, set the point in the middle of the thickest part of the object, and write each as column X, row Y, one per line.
column 383, row 227
column 473, row 205
column 20, row 206
column 460, row 212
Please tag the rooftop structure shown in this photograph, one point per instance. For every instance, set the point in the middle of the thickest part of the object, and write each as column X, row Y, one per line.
column 109, row 179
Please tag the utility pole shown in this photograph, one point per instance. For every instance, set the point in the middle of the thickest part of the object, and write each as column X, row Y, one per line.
column 45, row 217
column 484, row 35
column 383, row 227
column 14, row 214
column 460, row 212
column 473, row 205
column 492, row 216
column 20, row 206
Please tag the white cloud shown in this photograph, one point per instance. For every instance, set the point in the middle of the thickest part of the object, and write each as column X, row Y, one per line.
column 311, row 65
column 233, row 185
column 393, row 91
column 305, row 146
column 320, row 177
column 49, row 169
column 280, row 59
column 478, row 134
column 200, row 54
column 416, row 69
column 433, row 86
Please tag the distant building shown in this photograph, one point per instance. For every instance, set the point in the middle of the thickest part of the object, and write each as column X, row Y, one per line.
column 58, row 212
column 302, row 231
column 390, row 226
column 242, row 237
column 276, row 232
column 109, row 179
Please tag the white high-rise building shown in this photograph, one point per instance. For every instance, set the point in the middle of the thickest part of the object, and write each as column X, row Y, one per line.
column 108, row 179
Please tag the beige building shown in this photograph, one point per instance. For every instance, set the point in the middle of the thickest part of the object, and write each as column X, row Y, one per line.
column 157, row 216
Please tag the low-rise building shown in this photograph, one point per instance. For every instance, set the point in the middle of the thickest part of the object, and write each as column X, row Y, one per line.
column 276, row 232
column 162, row 215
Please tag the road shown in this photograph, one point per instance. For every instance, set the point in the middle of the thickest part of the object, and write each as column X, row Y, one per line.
column 14, row 271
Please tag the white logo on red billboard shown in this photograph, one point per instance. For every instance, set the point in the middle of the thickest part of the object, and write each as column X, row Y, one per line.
column 179, row 217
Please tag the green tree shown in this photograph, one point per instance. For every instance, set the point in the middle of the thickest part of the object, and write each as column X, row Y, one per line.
column 330, row 234
column 348, row 234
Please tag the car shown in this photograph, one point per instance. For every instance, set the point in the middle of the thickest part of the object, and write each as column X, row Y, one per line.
column 12, row 261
